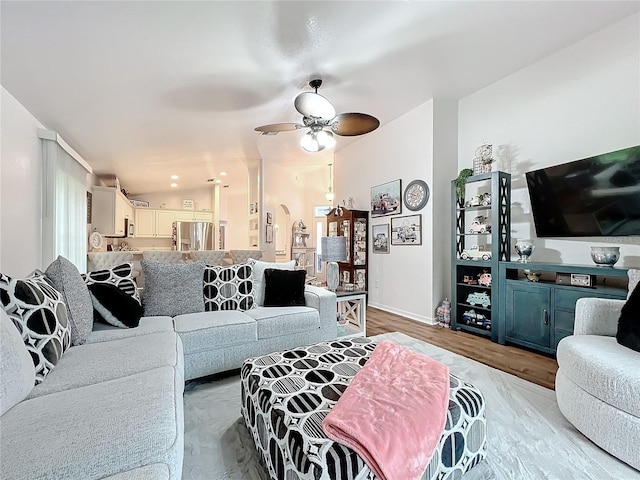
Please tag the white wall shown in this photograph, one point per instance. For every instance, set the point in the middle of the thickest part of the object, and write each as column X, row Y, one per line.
column 579, row 102
column 20, row 177
column 405, row 281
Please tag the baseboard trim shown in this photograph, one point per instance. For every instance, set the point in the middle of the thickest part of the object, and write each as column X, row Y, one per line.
column 412, row 316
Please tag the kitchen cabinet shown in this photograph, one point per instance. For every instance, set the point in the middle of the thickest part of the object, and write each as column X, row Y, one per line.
column 111, row 212
column 152, row 223
column 539, row 314
column 481, row 238
column 192, row 216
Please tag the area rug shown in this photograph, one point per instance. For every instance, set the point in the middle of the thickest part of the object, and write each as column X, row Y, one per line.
column 527, row 435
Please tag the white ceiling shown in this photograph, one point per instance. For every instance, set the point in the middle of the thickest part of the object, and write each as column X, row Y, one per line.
column 149, row 89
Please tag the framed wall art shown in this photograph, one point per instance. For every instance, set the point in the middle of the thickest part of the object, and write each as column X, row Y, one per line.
column 381, row 240
column 386, row 199
column 406, row 230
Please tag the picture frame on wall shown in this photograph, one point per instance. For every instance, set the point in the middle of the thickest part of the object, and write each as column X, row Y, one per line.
column 406, row 230
column 321, row 210
column 381, row 238
column 386, row 199
column 269, row 234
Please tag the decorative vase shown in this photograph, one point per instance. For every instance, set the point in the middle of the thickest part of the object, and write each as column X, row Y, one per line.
column 525, row 249
column 605, row 256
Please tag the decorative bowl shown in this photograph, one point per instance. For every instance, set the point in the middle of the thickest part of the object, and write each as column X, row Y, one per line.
column 605, row 256
column 524, row 248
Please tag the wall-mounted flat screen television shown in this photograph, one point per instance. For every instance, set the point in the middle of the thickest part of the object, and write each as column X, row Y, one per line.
column 596, row 196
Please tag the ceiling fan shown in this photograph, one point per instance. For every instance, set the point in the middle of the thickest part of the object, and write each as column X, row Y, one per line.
column 320, row 117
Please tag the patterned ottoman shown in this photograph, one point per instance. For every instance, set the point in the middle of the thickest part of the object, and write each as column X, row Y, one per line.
column 285, row 396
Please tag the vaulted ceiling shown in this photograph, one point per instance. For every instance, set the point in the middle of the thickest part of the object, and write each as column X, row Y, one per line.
column 144, row 90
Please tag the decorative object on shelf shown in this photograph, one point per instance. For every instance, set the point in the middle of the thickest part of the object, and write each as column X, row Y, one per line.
column 380, row 235
column 582, row 280
column 299, row 234
column 349, row 287
column 188, row 205
column 469, row 280
column 319, row 116
column 479, row 298
column 605, row 256
column 476, row 252
column 269, row 233
column 531, row 275
column 483, row 159
column 334, row 249
column 484, row 279
column 461, row 181
column 139, row 203
column 406, row 230
column 96, row 241
column 482, row 199
column 479, row 225
column 416, row 195
column 525, row 249
column 385, row 199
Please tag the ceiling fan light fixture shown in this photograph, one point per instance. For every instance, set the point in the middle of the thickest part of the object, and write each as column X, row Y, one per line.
column 309, row 142
column 326, row 139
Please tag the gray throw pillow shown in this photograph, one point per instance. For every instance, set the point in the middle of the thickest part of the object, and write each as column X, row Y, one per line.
column 172, row 288
column 258, row 276
column 66, row 278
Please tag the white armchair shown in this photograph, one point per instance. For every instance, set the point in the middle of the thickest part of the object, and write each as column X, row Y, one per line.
column 598, row 380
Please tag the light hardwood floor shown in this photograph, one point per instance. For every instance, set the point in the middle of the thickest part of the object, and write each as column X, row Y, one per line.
column 528, row 365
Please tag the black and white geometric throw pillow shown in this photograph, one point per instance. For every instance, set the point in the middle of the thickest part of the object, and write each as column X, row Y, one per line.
column 121, row 276
column 228, row 288
column 114, row 306
column 40, row 315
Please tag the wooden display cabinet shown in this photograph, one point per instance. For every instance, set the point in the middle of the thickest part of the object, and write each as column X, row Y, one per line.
column 354, row 225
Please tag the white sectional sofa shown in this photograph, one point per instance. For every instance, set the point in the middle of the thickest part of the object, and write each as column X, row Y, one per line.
column 112, row 407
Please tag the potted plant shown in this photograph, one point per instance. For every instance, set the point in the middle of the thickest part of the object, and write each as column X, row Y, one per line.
column 461, row 181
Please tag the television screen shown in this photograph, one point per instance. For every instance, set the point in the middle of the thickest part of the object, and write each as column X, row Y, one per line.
column 596, row 196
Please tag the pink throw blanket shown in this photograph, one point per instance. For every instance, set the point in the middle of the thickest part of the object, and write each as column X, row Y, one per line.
column 393, row 413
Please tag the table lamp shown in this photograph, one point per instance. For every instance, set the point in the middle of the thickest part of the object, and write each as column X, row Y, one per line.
column 334, row 249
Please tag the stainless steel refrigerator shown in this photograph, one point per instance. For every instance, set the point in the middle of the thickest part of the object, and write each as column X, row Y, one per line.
column 193, row 236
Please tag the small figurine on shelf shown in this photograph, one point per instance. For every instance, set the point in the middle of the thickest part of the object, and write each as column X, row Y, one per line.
column 484, row 279
column 483, row 159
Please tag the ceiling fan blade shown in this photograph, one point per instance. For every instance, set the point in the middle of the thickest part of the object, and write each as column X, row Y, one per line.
column 278, row 127
column 352, row 124
column 314, row 105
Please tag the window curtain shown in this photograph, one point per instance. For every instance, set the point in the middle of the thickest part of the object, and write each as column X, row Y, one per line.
column 64, row 209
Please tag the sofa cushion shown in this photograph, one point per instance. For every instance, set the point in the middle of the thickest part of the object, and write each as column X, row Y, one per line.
column 156, row 471
column 228, row 288
column 284, row 288
column 172, row 288
column 94, row 363
column 66, row 278
column 40, row 314
column 114, row 306
column 18, row 371
column 629, row 322
column 111, row 427
column 275, row 321
column 212, row 330
column 107, row 333
column 258, row 268
column 601, row 367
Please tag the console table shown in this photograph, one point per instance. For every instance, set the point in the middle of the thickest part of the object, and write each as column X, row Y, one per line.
column 539, row 314
column 352, row 308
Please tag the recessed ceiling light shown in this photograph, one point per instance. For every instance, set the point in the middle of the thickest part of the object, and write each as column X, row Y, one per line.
column 223, row 174
column 218, row 181
column 174, row 185
column 174, row 177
